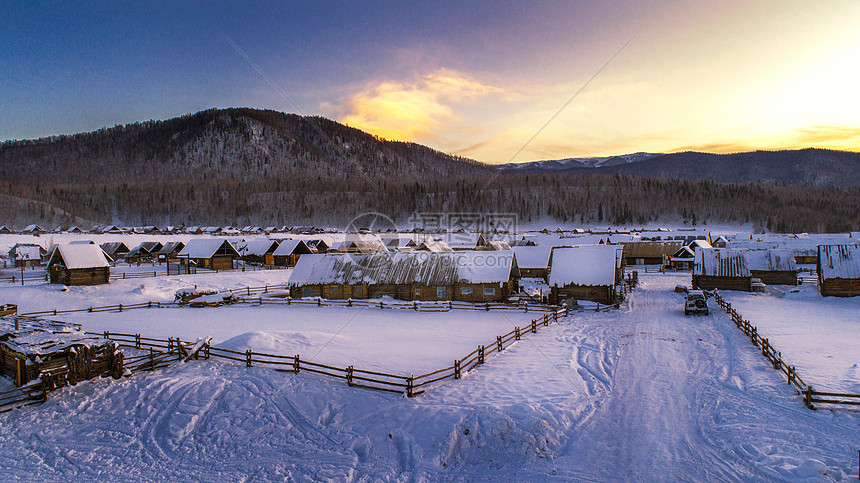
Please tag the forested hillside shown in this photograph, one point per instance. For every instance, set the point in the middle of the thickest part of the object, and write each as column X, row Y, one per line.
column 245, row 166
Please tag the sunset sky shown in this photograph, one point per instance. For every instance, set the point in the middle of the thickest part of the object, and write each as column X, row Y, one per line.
column 478, row 79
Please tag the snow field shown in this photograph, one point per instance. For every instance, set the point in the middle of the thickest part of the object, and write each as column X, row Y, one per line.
column 642, row 393
column 388, row 340
column 819, row 335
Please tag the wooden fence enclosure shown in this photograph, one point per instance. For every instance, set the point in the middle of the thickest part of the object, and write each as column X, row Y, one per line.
column 810, row 395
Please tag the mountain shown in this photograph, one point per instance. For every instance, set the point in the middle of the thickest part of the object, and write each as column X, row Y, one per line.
column 235, row 144
column 574, row 163
column 255, row 167
column 804, row 166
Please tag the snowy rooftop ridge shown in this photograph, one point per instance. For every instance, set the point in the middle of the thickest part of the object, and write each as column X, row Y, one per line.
column 206, row 247
column 427, row 268
column 771, row 260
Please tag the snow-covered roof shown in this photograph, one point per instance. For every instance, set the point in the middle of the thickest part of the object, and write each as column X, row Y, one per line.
column 499, row 245
column 437, row 246
column 533, row 256
column 260, row 247
column 207, row 248
column 79, row 256
column 170, row 247
column 405, row 268
column 290, row 246
column 720, row 262
column 771, row 260
column 26, row 251
column 839, row 261
column 698, row 243
column 463, row 241
column 583, row 265
column 112, row 248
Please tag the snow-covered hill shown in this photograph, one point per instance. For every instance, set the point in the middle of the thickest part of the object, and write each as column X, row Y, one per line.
column 572, row 163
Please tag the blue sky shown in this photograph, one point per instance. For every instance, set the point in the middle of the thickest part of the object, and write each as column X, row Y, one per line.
column 473, row 78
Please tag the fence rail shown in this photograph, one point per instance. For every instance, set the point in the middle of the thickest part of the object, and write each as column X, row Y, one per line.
column 32, row 393
column 810, row 395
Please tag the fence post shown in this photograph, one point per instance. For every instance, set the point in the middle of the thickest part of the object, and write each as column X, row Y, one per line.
column 499, row 343
column 807, row 397
column 516, row 333
column 249, row 290
column 296, row 364
column 409, row 385
column 137, row 341
column 206, row 347
column 248, row 358
column 107, row 335
column 151, row 359
column 456, row 369
column 349, row 375
column 480, row 354
column 120, row 307
column 534, row 326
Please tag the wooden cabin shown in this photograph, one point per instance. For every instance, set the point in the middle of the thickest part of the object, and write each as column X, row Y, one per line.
column 437, row 246
column 33, row 230
column 260, row 251
column 4, row 230
column 721, row 268
column 318, row 245
column 463, row 276
column 399, row 243
column 289, row 252
column 208, row 253
column 839, row 270
column 57, row 352
column 170, row 250
column 533, row 261
column 27, row 255
column 649, row 252
column 587, row 272
column 139, row 254
column 772, row 267
column 115, row 250
column 465, row 241
column 79, row 264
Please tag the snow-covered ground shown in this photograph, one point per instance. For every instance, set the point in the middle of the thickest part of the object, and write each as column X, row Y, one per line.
column 394, row 341
column 819, row 335
column 638, row 394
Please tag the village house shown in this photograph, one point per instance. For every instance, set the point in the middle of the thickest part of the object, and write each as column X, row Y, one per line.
column 78, row 264
column 289, row 251
column 208, row 253
column 33, row 230
column 772, row 267
column 463, row 276
column 721, row 268
column 260, row 251
column 170, row 251
column 587, row 272
column 139, row 254
column 115, row 250
column 27, row 255
column 533, row 261
column 839, row 270
column 649, row 252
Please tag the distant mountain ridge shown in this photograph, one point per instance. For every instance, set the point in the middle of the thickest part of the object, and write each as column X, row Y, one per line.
column 804, row 166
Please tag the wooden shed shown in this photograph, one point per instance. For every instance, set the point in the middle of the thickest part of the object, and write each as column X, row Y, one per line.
column 318, row 245
column 115, row 250
column 78, row 264
column 57, row 352
column 27, row 254
column 289, row 252
column 533, row 261
column 139, row 254
column 649, row 252
column 772, row 267
column 209, row 253
column 587, row 272
column 170, row 250
column 839, row 270
column 463, row 276
column 721, row 268
column 34, row 230
column 260, row 251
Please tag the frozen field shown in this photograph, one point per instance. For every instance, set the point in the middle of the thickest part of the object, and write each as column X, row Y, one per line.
column 819, row 335
column 389, row 340
column 638, row 394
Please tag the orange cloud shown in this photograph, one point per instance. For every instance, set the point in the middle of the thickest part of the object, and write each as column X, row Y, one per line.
column 415, row 110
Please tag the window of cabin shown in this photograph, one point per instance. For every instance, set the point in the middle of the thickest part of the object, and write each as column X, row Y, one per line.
column 441, row 292
column 465, row 290
column 490, row 291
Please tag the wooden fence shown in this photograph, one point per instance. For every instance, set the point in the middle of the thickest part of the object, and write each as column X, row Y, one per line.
column 810, row 395
column 162, row 352
column 145, row 274
column 33, row 393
